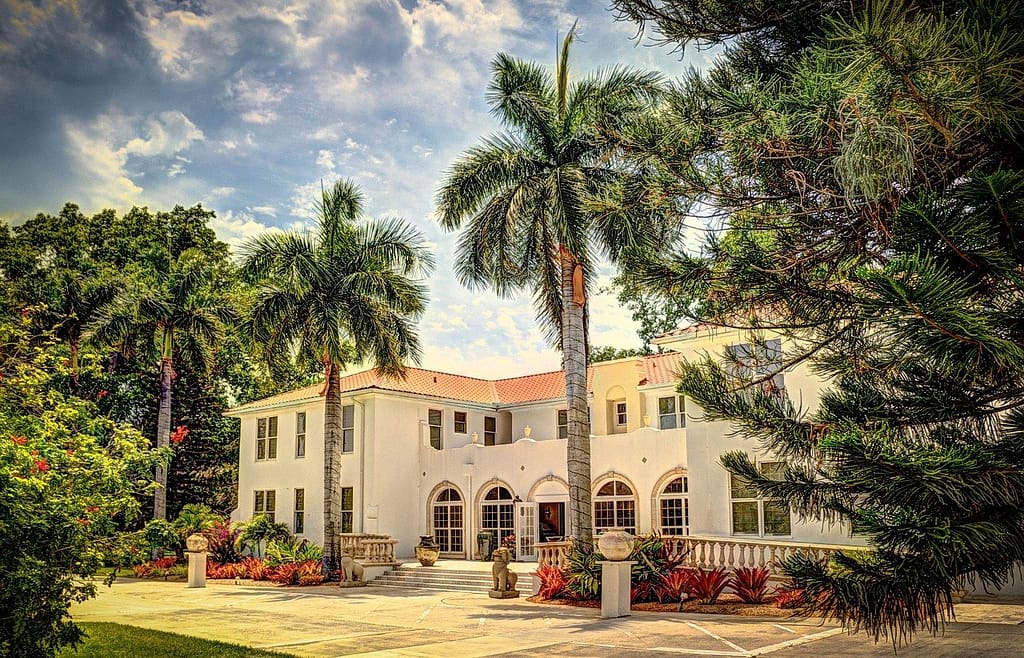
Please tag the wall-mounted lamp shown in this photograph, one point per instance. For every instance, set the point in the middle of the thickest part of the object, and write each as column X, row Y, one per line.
column 647, row 420
column 526, row 431
column 476, row 438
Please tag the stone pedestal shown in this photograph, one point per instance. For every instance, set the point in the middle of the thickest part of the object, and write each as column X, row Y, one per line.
column 197, row 569
column 507, row 594
column 615, row 586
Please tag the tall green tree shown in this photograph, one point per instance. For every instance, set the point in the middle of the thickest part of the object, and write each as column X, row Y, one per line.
column 349, row 292
column 529, row 203
column 867, row 166
column 172, row 302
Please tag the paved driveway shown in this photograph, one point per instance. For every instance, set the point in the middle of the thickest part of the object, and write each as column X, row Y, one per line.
column 377, row 621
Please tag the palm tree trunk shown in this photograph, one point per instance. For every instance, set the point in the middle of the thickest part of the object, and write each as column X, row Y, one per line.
column 574, row 356
column 332, row 468
column 163, row 437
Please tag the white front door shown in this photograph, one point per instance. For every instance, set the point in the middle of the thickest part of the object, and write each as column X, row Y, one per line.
column 527, row 531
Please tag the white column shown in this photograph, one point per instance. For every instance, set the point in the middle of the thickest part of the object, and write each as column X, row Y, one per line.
column 196, row 569
column 615, row 588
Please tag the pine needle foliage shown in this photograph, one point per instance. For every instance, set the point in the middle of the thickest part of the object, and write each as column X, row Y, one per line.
column 865, row 164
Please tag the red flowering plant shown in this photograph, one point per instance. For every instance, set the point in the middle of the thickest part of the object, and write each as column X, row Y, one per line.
column 68, row 477
column 179, row 435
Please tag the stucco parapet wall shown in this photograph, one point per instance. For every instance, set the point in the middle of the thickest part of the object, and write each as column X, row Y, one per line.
column 643, row 433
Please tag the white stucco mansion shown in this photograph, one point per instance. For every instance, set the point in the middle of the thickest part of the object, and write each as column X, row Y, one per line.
column 450, row 456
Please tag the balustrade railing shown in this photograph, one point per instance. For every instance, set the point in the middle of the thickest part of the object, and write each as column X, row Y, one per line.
column 369, row 548
column 552, row 554
column 712, row 552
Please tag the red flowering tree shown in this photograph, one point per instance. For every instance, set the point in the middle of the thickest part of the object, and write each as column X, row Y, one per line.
column 66, row 474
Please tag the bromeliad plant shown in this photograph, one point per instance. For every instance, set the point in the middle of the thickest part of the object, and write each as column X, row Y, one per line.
column 654, row 560
column 707, row 584
column 750, row 584
column 674, row 587
column 584, row 572
column 554, row 582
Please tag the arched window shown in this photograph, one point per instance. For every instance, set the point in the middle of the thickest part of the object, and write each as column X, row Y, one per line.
column 447, row 515
column 615, row 507
column 496, row 513
column 674, row 504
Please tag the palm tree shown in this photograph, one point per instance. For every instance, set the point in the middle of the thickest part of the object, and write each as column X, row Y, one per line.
column 173, row 302
column 529, row 200
column 350, row 292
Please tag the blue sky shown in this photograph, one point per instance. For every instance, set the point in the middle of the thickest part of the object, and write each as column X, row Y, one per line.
column 247, row 107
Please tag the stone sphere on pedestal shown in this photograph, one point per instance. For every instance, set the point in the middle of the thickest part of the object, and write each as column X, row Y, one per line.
column 197, row 543
column 615, row 544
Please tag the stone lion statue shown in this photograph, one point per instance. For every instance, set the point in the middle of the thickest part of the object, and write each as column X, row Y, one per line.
column 504, row 578
column 350, row 569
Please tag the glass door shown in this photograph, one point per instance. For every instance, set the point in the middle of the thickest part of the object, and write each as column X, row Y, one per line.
column 527, row 531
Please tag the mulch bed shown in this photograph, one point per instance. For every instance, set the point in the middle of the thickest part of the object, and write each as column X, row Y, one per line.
column 727, row 604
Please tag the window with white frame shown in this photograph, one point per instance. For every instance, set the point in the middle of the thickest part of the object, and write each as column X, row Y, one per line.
column 348, row 427
column 615, row 507
column 496, row 513
column 671, row 412
column 446, row 515
column 264, row 503
column 299, row 512
column 563, row 424
column 490, row 430
column 347, row 508
column 434, row 421
column 620, row 413
column 266, row 438
column 674, row 507
column 755, row 515
column 460, row 422
column 759, row 361
column 300, row 434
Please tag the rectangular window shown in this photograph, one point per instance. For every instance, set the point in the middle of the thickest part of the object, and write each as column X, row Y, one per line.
column 299, row 522
column 266, row 438
column 620, row 413
column 434, row 420
column 300, row 434
column 759, row 362
column 264, row 502
column 346, row 509
column 671, row 412
column 490, row 430
column 755, row 515
column 348, row 427
column 563, row 424
column 460, row 422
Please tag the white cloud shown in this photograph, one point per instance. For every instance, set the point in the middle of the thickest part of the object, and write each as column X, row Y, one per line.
column 262, row 117
column 103, row 180
column 166, row 134
column 325, row 159
column 264, row 210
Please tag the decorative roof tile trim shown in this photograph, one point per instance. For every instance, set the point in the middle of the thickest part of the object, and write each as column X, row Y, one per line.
column 434, row 383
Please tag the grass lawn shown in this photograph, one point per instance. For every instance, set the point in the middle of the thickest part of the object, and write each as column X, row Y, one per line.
column 119, row 641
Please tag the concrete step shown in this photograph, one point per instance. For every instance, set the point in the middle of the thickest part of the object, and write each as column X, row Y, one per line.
column 443, row 580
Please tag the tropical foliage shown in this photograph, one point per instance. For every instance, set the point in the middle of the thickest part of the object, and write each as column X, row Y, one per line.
column 540, row 204
column 862, row 167
column 68, row 477
column 349, row 292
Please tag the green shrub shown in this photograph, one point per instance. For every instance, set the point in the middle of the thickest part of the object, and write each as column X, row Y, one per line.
column 258, row 532
column 68, row 477
column 584, row 572
column 292, row 550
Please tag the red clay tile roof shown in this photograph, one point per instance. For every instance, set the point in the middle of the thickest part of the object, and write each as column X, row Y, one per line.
column 513, row 390
column 659, row 369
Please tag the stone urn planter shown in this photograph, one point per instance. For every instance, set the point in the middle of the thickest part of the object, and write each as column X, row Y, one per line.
column 427, row 550
column 615, row 545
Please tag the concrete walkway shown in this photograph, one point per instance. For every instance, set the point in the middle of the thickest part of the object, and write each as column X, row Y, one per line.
column 378, row 621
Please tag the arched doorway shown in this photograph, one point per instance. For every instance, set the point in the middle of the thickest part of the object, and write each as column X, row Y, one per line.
column 497, row 514
column 447, row 522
